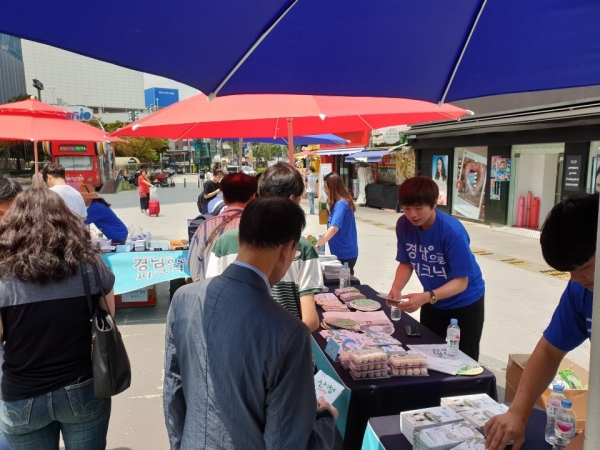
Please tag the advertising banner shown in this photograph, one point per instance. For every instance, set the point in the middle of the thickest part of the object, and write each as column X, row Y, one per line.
column 137, row 270
column 439, row 173
column 472, row 174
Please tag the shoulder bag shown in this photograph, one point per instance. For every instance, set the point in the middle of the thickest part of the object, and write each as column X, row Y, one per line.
column 110, row 364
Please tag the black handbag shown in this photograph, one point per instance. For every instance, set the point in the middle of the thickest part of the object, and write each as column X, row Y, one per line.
column 110, row 364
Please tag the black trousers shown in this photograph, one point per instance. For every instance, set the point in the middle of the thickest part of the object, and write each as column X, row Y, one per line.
column 351, row 263
column 470, row 321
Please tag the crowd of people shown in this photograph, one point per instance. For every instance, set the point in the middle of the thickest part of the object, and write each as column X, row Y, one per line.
column 239, row 374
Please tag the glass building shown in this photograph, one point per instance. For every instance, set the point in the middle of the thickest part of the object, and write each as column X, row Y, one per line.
column 12, row 70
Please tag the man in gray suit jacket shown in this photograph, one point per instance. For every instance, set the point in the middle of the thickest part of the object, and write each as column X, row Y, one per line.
column 238, row 372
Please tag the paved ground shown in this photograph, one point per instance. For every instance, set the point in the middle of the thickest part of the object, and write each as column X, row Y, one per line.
column 520, row 300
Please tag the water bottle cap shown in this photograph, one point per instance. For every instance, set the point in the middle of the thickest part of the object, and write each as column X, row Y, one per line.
column 454, row 321
column 566, row 403
column 558, row 388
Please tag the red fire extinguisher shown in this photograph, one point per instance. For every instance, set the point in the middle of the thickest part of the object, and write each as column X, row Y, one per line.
column 535, row 213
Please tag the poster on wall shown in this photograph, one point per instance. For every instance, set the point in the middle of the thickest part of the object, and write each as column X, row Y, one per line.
column 325, row 169
column 499, row 173
column 439, row 173
column 470, row 186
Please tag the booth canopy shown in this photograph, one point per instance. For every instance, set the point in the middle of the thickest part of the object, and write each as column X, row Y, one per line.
column 370, row 156
column 339, row 151
column 458, row 49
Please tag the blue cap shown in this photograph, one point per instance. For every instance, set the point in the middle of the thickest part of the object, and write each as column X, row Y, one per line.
column 558, row 388
column 566, row 403
column 454, row 321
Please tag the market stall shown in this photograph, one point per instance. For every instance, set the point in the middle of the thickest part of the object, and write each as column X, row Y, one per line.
column 363, row 399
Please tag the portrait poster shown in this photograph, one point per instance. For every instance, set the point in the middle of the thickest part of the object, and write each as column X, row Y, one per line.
column 439, row 173
column 472, row 175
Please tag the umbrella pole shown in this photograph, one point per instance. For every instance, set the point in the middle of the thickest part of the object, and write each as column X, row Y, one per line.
column 240, row 154
column 291, row 141
column 592, row 432
column 36, row 182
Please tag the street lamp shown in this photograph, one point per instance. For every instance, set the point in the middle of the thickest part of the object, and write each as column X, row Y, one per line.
column 39, row 86
column 52, row 88
column 157, row 104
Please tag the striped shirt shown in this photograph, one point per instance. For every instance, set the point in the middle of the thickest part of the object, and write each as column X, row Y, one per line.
column 303, row 277
column 200, row 247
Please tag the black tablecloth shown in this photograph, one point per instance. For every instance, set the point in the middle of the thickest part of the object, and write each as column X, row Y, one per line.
column 334, row 282
column 372, row 398
column 387, row 430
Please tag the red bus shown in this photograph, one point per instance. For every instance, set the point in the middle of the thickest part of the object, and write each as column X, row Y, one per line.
column 84, row 162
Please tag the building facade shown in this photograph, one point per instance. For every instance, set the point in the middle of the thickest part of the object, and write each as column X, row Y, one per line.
column 73, row 80
column 511, row 168
column 12, row 70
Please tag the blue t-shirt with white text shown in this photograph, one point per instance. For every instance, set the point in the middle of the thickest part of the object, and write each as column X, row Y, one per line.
column 440, row 254
column 571, row 322
column 344, row 244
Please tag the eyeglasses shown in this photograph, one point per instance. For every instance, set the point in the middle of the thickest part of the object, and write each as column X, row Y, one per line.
column 298, row 253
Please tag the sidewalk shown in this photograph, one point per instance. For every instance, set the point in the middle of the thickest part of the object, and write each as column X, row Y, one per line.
column 520, row 300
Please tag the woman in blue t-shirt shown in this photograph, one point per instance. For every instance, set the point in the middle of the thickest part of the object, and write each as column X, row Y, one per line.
column 436, row 247
column 341, row 224
column 105, row 219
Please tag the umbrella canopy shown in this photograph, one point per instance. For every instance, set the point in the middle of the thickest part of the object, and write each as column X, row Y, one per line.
column 32, row 120
column 372, row 156
column 427, row 50
column 251, row 116
column 37, row 127
column 317, row 139
column 33, row 106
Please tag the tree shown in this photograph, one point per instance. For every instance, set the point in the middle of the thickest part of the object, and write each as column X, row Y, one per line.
column 19, row 98
column 139, row 147
column 263, row 153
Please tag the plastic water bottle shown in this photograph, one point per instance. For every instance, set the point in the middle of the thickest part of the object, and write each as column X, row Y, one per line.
column 321, row 248
column 553, row 405
column 395, row 313
column 565, row 425
column 344, row 276
column 453, row 339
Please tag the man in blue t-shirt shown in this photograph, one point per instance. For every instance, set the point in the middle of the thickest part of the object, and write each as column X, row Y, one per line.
column 436, row 247
column 568, row 243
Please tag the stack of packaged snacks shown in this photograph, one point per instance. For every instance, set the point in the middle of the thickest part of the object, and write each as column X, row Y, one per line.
column 408, row 365
column 367, row 364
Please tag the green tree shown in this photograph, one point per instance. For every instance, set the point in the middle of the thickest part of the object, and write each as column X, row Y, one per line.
column 263, row 153
column 19, row 98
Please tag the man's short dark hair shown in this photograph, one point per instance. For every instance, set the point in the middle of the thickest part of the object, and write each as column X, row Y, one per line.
column 568, row 236
column 418, row 191
column 281, row 180
column 312, row 169
column 217, row 172
column 268, row 222
column 56, row 170
column 238, row 187
column 9, row 189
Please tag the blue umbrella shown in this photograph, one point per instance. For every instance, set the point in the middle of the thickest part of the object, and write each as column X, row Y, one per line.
column 317, row 139
column 429, row 50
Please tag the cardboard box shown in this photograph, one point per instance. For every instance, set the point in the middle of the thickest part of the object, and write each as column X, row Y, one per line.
column 514, row 371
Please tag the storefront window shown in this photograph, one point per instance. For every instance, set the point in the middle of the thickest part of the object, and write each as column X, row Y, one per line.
column 470, row 173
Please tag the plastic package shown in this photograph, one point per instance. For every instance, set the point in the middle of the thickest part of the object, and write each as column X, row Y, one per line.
column 371, row 374
column 409, row 371
column 406, row 361
column 359, row 357
column 379, row 365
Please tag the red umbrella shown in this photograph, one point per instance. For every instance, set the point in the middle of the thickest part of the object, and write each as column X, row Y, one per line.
column 34, row 106
column 32, row 120
column 248, row 116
